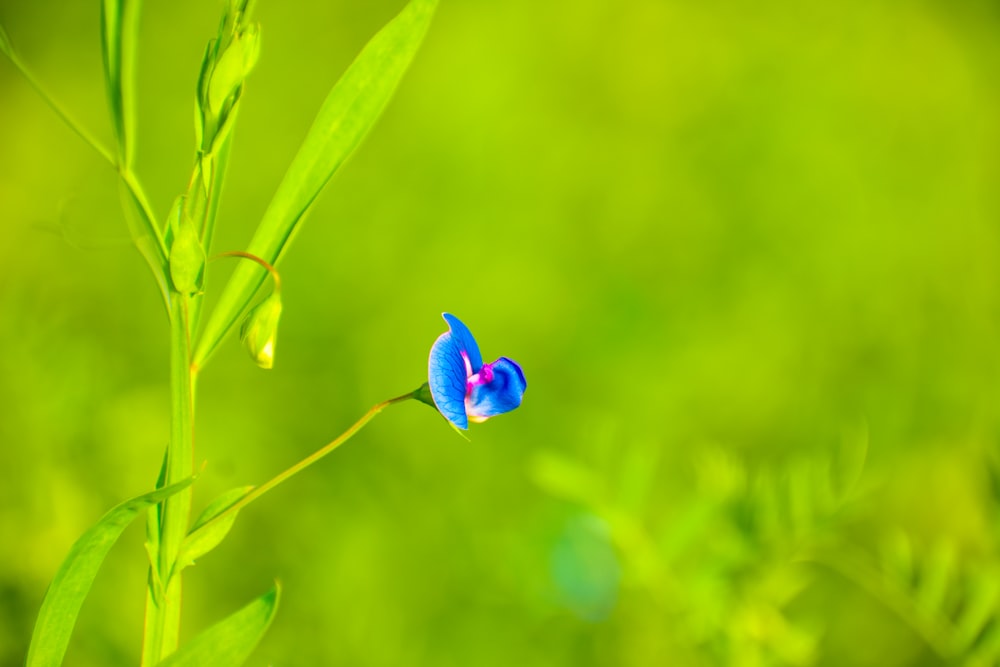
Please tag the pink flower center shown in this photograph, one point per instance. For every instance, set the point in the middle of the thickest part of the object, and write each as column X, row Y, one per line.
column 484, row 376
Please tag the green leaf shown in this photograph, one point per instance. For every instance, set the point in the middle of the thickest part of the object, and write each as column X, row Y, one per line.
column 145, row 234
column 205, row 534
column 349, row 112
column 153, row 534
column 229, row 642
column 119, row 31
column 72, row 582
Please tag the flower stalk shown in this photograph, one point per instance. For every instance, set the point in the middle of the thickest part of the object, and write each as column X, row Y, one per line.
column 258, row 491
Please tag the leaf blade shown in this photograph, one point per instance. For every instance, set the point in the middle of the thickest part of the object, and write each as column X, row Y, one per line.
column 76, row 574
column 119, row 29
column 347, row 115
column 205, row 534
column 229, row 642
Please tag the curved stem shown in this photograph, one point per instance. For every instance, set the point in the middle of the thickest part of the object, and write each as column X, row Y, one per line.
column 258, row 491
column 253, row 258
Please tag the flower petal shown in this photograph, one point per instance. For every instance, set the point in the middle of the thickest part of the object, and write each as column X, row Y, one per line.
column 463, row 338
column 447, row 379
column 502, row 393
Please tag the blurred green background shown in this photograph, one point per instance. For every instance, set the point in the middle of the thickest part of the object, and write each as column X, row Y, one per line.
column 746, row 252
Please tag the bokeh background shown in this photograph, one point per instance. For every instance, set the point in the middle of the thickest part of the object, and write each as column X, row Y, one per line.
column 746, row 252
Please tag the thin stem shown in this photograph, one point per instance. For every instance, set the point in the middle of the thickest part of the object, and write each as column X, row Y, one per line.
column 61, row 112
column 254, row 258
column 258, row 491
column 127, row 176
column 135, row 187
column 163, row 616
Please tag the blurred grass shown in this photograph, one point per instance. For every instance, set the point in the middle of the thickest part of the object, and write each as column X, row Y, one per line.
column 724, row 230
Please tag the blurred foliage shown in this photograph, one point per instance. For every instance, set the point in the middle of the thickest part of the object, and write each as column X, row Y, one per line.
column 746, row 253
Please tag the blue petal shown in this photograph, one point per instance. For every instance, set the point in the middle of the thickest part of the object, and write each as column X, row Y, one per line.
column 502, row 394
column 447, row 379
column 466, row 343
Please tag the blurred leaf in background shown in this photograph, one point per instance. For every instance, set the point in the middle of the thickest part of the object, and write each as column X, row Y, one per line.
column 717, row 236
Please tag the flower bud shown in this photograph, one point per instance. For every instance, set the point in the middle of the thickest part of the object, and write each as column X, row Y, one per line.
column 187, row 256
column 232, row 67
column 259, row 331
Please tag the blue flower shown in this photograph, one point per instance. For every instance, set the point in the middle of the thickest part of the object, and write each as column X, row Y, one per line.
column 465, row 388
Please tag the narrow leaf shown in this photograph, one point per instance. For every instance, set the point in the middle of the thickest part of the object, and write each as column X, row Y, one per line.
column 206, row 534
column 346, row 116
column 229, row 642
column 72, row 582
column 153, row 530
column 119, row 27
column 145, row 235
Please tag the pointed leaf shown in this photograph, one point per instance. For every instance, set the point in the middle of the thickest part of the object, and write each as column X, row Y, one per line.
column 348, row 113
column 72, row 582
column 205, row 535
column 229, row 642
column 119, row 31
column 153, row 530
column 146, row 235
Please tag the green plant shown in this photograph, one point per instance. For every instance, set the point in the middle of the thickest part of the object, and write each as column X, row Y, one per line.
column 176, row 251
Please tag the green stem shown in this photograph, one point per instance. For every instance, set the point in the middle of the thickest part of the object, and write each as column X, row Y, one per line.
column 163, row 615
column 258, row 491
column 135, row 187
column 61, row 112
column 126, row 175
column 254, row 258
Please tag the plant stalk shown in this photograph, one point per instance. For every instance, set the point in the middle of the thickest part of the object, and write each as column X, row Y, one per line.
column 163, row 612
column 258, row 491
